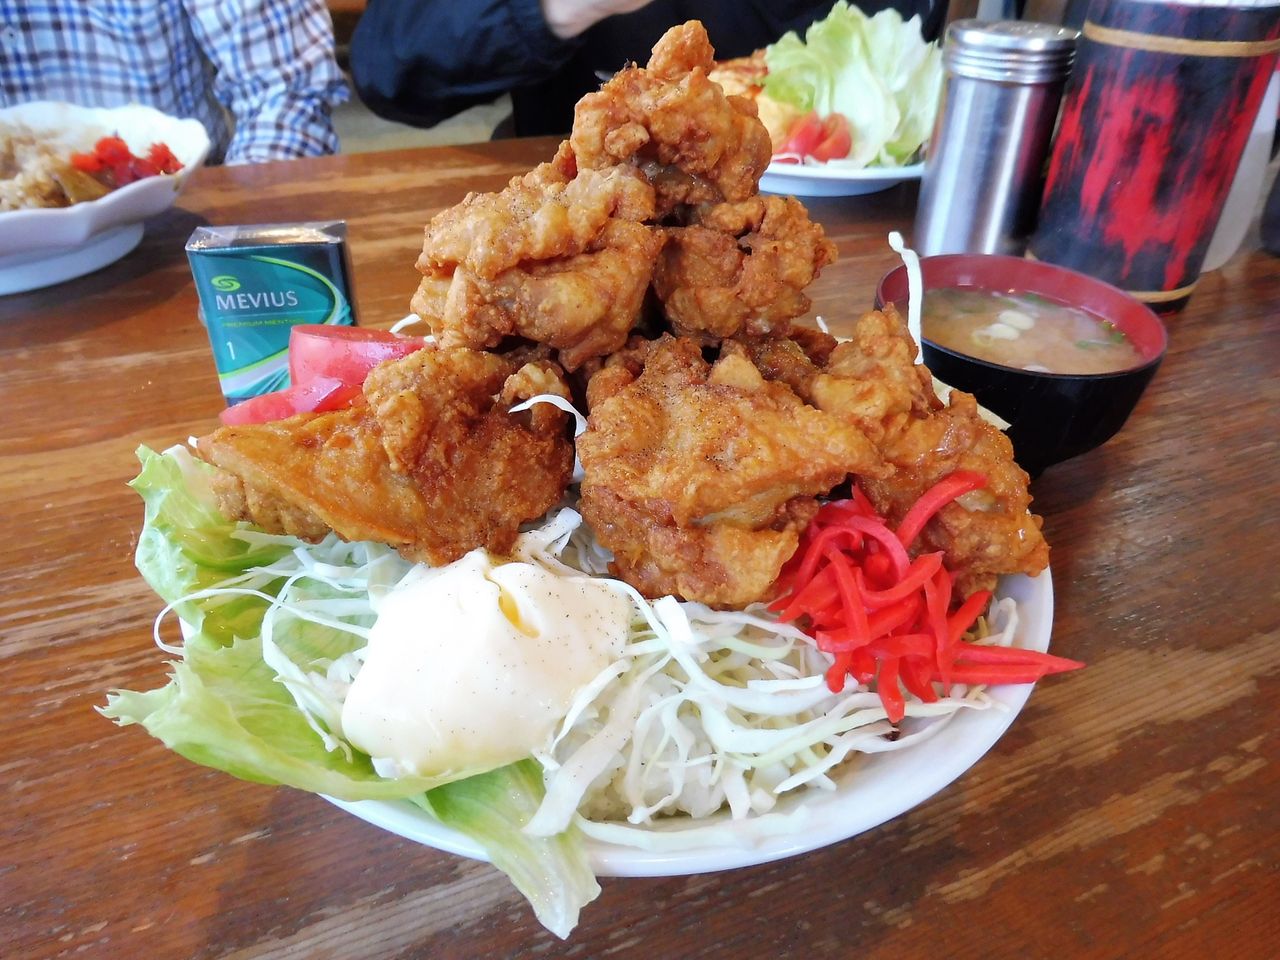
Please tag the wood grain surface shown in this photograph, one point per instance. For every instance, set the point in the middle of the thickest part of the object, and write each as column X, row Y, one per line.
column 1131, row 811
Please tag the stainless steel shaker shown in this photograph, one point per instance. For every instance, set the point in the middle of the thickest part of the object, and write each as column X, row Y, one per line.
column 984, row 168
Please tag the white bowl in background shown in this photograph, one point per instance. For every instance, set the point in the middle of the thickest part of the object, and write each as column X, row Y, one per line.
column 39, row 247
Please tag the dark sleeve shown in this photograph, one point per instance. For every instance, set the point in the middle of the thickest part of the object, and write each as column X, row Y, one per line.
column 421, row 61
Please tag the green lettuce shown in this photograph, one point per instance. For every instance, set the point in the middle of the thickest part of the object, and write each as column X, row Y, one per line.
column 187, row 546
column 876, row 71
column 552, row 872
column 225, row 706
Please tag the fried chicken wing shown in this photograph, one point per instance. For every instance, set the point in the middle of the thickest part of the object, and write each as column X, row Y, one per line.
column 872, row 381
column 740, row 268
column 432, row 464
column 668, row 119
column 699, row 477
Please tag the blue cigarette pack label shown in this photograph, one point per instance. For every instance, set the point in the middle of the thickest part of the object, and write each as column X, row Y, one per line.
column 255, row 284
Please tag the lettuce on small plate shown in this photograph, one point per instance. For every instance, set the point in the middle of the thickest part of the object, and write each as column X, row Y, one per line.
column 43, row 246
column 880, row 75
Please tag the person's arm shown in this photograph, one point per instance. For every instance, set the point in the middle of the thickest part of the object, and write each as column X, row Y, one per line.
column 570, row 18
column 421, row 61
column 274, row 71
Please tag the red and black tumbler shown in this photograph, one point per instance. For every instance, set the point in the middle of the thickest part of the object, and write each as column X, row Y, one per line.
column 1154, row 121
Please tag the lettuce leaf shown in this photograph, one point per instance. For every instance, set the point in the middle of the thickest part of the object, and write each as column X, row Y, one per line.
column 223, row 708
column 552, row 872
column 228, row 707
column 224, row 705
column 186, row 545
column 876, row 71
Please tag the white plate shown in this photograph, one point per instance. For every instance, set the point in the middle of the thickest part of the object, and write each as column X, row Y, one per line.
column 879, row 788
column 43, row 246
column 812, row 180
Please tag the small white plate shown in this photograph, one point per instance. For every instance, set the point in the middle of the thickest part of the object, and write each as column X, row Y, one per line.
column 832, row 180
column 878, row 788
column 40, row 247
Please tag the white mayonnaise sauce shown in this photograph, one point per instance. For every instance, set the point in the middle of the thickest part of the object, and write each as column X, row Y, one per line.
column 473, row 665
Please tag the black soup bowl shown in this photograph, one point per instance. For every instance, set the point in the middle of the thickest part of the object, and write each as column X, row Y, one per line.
column 1052, row 416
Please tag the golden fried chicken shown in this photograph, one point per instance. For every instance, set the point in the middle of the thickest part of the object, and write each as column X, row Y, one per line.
column 582, row 305
column 741, row 268
column 699, row 477
column 545, row 214
column 432, row 464
column 561, row 257
column 984, row 533
column 872, row 381
column 868, row 379
column 668, row 119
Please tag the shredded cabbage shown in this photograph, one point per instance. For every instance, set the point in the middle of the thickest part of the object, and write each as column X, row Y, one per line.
column 709, row 709
column 705, row 710
column 915, row 289
column 915, row 305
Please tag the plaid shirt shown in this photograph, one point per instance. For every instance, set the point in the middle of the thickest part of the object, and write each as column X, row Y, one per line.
column 259, row 74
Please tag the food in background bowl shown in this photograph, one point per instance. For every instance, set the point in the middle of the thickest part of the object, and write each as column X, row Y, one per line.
column 44, row 245
column 1053, row 416
column 744, row 77
column 856, row 92
column 40, row 170
column 36, row 171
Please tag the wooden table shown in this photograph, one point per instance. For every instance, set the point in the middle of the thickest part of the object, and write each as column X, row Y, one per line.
column 1131, row 811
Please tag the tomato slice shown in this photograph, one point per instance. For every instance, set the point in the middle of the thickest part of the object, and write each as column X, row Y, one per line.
column 837, row 139
column 343, row 353
column 823, row 139
column 315, row 396
column 805, row 134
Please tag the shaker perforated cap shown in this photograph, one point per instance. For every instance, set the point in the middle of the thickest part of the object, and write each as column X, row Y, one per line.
column 1009, row 51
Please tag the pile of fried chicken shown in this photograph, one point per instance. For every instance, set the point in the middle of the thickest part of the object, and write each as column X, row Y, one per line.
column 638, row 274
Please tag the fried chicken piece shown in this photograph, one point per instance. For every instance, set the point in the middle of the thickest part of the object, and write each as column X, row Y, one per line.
column 582, row 305
column 561, row 257
column 668, row 119
column 873, row 375
column 740, row 268
column 795, row 359
column 872, row 381
column 432, row 464
column 541, row 216
column 984, row 533
column 866, row 380
column 700, row 477
column 618, row 370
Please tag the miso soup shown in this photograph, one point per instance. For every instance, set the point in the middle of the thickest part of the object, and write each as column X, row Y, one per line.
column 1025, row 331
